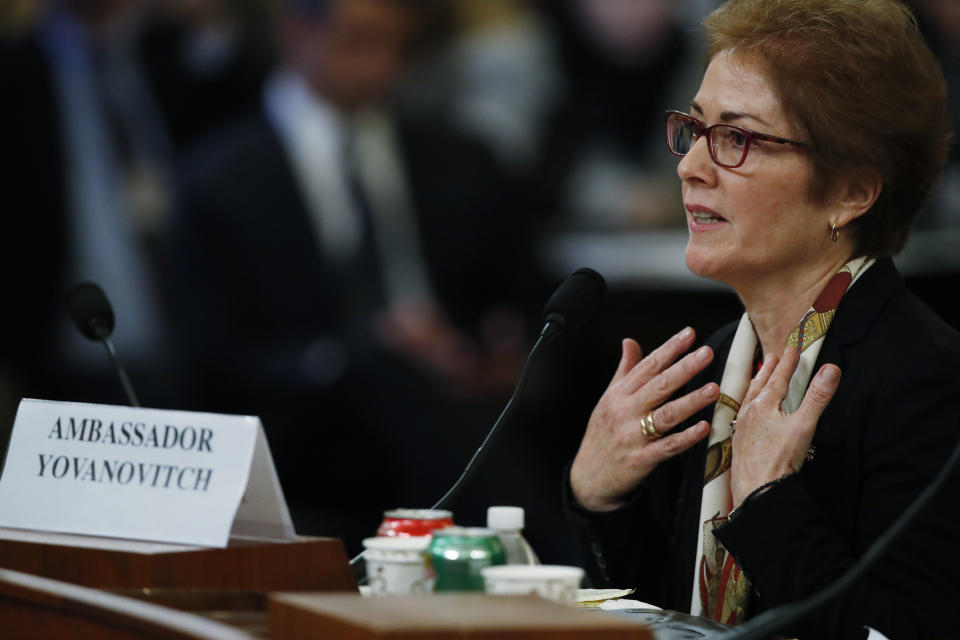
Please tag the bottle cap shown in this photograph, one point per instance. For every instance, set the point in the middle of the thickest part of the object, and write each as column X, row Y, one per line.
column 505, row 518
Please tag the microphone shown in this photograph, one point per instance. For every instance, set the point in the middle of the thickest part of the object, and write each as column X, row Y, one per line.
column 572, row 304
column 774, row 620
column 568, row 309
column 92, row 314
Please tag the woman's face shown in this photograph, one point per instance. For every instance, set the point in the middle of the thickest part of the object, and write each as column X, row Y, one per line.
column 752, row 225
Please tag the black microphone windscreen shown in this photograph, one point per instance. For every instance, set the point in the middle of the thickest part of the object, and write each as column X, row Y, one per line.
column 90, row 310
column 575, row 300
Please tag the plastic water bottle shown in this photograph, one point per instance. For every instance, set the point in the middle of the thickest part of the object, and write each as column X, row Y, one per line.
column 507, row 522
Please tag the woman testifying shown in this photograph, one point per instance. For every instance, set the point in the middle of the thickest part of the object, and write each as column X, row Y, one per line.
column 807, row 427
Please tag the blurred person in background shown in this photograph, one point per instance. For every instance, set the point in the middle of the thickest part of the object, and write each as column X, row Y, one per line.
column 940, row 22
column 207, row 60
column 99, row 97
column 356, row 275
column 567, row 93
column 621, row 63
column 495, row 74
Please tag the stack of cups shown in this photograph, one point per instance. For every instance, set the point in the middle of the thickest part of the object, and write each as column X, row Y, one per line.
column 398, row 565
column 397, row 558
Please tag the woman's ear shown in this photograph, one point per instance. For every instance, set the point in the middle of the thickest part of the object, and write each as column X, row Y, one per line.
column 856, row 195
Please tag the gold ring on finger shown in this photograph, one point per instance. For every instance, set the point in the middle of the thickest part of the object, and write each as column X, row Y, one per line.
column 647, row 427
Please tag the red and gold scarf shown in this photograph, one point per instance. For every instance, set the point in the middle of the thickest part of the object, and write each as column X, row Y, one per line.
column 720, row 590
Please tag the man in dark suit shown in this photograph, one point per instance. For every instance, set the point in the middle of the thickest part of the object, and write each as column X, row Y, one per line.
column 355, row 275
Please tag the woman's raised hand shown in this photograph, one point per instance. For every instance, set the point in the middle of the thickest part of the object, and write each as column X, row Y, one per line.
column 616, row 454
column 768, row 443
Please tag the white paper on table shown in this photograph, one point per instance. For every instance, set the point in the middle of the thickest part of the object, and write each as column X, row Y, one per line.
column 614, row 605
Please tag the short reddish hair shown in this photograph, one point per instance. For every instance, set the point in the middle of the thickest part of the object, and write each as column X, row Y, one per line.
column 860, row 84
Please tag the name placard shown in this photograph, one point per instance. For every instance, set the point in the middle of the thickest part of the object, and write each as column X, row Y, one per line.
column 143, row 474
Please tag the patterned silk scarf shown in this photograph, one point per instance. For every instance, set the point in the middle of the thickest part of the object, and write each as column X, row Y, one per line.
column 720, row 590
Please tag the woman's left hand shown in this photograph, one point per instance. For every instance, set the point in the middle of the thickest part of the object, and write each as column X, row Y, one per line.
column 770, row 444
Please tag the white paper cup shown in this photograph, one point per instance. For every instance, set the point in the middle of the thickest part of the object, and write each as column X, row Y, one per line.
column 397, row 565
column 554, row 582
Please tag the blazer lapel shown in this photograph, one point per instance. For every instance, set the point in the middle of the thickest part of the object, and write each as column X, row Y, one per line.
column 859, row 309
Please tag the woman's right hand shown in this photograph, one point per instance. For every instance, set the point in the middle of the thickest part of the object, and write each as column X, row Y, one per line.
column 615, row 455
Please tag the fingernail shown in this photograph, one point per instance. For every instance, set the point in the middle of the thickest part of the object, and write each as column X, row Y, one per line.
column 829, row 374
column 686, row 333
column 703, row 353
column 708, row 391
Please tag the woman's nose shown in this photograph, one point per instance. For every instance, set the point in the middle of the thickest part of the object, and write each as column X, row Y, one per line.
column 697, row 165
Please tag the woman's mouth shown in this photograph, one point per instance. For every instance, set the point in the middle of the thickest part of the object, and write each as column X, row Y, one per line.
column 703, row 216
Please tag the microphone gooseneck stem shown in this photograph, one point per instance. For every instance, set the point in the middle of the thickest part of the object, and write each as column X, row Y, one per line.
column 775, row 620
column 481, row 453
column 121, row 372
column 484, row 448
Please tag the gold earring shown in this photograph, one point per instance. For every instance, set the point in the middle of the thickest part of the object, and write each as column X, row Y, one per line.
column 834, row 232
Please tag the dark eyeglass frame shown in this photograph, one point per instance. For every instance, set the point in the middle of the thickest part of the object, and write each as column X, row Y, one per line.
column 700, row 129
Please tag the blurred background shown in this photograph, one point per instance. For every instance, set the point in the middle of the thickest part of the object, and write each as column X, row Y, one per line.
column 344, row 216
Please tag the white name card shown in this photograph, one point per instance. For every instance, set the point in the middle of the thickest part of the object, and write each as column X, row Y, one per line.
column 143, row 474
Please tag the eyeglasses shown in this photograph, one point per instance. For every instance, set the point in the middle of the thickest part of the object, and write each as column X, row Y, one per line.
column 728, row 144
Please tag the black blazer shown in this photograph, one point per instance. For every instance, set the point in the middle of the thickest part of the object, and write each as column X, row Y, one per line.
column 894, row 420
